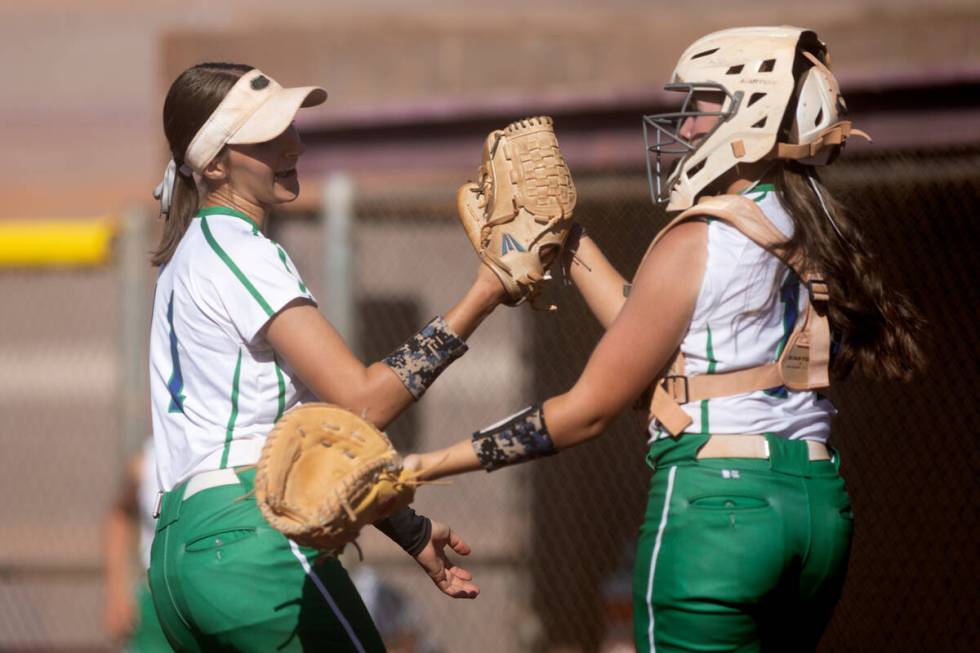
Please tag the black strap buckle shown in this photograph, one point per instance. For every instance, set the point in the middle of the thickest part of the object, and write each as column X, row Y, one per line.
column 673, row 379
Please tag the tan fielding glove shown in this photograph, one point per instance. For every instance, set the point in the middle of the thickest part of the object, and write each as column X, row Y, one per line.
column 325, row 473
column 518, row 216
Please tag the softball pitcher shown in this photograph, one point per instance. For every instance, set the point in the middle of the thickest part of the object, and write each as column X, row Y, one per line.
column 740, row 310
column 237, row 340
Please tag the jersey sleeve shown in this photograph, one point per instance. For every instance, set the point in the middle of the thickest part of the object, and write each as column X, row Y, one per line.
column 262, row 281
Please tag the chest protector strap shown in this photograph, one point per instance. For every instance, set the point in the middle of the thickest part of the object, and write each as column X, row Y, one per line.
column 805, row 360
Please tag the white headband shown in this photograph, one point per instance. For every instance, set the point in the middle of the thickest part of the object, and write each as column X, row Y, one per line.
column 255, row 110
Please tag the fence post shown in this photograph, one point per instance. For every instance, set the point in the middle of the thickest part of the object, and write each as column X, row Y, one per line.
column 337, row 217
column 132, row 270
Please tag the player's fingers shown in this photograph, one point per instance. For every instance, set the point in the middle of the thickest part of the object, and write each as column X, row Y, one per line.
column 439, row 576
column 458, row 544
column 548, row 254
column 456, row 586
column 461, row 590
column 466, row 591
column 460, row 573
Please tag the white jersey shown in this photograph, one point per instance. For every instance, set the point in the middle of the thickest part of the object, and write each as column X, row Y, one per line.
column 740, row 322
column 147, row 501
column 216, row 386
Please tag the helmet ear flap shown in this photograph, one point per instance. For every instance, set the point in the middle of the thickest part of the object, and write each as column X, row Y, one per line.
column 819, row 106
column 818, row 101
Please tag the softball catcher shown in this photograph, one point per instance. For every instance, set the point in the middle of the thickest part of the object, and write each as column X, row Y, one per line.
column 744, row 307
column 236, row 342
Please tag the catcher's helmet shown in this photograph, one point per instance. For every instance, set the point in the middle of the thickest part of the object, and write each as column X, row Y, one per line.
column 780, row 101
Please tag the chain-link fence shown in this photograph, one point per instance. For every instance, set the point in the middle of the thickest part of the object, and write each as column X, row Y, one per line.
column 553, row 540
column 909, row 450
column 58, row 438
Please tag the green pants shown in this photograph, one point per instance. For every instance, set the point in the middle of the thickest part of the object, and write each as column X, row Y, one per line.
column 224, row 580
column 739, row 554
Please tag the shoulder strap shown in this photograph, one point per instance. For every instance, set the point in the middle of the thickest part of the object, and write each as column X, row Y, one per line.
column 738, row 211
column 745, row 215
column 804, row 361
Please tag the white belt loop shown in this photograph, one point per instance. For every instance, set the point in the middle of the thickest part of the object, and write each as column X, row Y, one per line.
column 765, row 445
column 156, row 506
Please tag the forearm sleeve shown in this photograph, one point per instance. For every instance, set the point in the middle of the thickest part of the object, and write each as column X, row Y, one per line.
column 425, row 355
column 407, row 529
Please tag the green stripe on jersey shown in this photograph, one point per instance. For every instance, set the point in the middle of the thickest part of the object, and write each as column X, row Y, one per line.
column 234, row 268
column 285, row 263
column 234, row 411
column 282, row 389
column 223, row 210
column 758, row 192
column 712, row 365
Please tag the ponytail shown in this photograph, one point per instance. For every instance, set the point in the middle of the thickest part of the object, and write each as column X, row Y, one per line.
column 878, row 330
column 184, row 204
column 191, row 100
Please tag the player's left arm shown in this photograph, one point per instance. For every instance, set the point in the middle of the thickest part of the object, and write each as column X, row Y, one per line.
column 600, row 284
column 636, row 348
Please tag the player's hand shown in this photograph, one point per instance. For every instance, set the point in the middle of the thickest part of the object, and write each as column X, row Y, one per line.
column 119, row 615
column 451, row 580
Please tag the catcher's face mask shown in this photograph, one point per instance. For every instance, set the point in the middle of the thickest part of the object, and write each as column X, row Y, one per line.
column 672, row 139
column 762, row 71
column 753, row 66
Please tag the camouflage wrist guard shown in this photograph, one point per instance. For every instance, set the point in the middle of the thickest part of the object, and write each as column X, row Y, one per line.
column 420, row 361
column 517, row 439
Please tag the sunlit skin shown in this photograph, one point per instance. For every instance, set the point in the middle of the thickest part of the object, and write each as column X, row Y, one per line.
column 694, row 128
column 256, row 178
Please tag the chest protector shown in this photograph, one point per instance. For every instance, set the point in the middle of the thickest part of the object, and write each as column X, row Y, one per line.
column 805, row 360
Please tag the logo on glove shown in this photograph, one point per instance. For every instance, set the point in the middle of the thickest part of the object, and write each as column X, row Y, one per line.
column 509, row 243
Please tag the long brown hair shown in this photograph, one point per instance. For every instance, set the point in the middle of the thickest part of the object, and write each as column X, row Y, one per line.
column 879, row 330
column 192, row 98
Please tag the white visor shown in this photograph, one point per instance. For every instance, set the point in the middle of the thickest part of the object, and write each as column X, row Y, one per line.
column 255, row 110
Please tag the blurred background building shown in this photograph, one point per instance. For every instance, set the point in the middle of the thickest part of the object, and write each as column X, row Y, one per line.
column 414, row 88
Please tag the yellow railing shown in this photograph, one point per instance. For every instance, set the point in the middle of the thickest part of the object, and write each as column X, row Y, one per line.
column 52, row 242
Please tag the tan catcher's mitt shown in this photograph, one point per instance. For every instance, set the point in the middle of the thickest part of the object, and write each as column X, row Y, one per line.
column 519, row 214
column 325, row 473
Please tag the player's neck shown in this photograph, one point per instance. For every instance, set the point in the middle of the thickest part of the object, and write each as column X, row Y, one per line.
column 746, row 176
column 227, row 197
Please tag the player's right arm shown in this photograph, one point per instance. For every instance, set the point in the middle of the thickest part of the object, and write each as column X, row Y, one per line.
column 325, row 364
column 635, row 349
